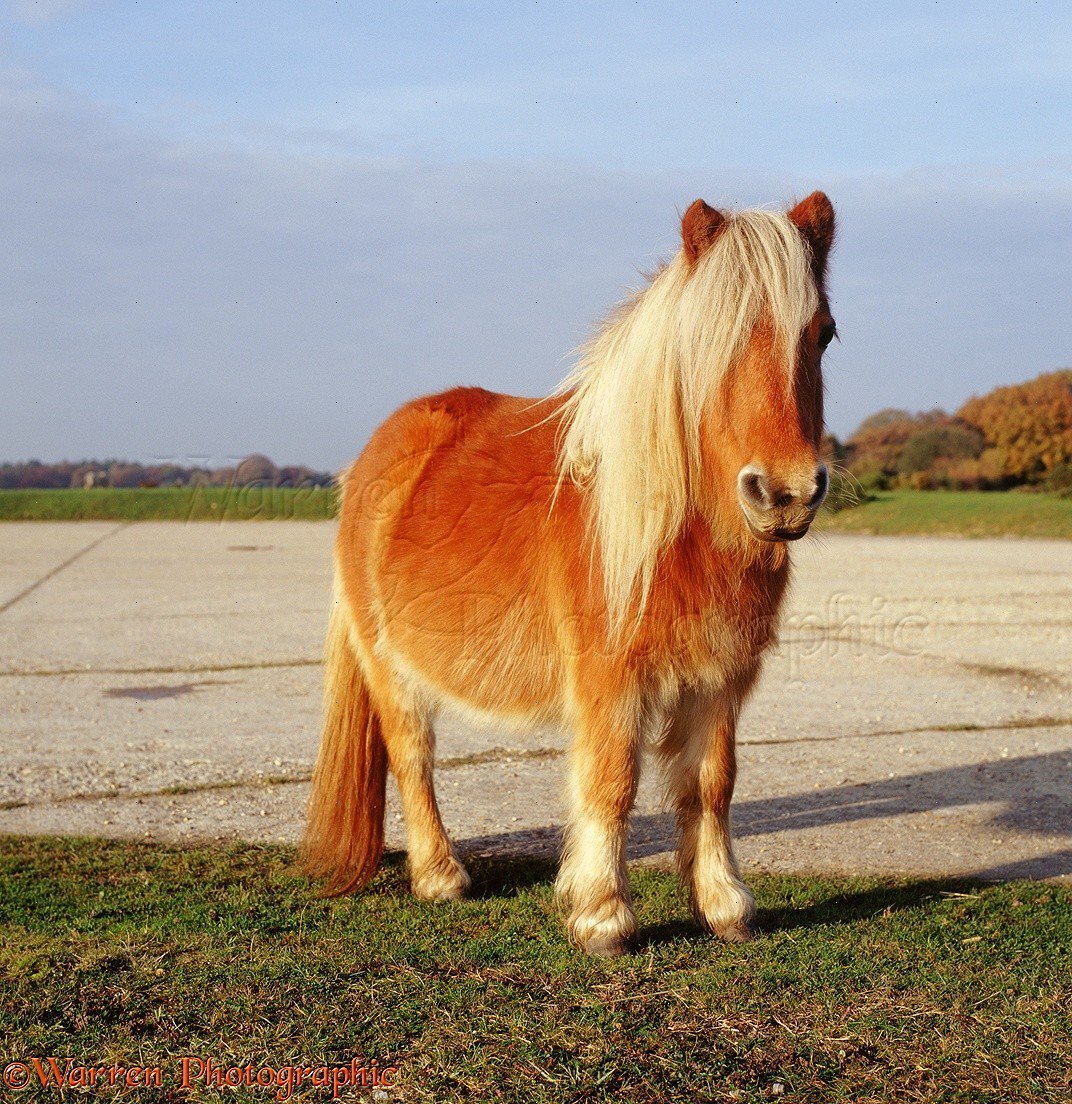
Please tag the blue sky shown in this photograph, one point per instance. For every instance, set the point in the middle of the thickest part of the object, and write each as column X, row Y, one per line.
column 237, row 227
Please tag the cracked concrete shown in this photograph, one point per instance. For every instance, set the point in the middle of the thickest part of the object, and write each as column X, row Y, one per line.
column 162, row 680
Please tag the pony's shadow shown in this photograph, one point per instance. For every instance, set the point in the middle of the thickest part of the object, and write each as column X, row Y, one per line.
column 507, row 876
column 849, row 908
column 1030, row 803
column 834, row 910
column 498, row 875
column 503, row 877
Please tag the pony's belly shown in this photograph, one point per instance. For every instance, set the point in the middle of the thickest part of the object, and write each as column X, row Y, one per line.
column 488, row 677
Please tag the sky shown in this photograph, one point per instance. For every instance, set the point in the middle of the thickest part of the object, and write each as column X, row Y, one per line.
column 259, row 227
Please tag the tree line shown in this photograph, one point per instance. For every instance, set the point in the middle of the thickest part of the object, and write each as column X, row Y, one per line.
column 1013, row 436
column 256, row 469
column 1019, row 435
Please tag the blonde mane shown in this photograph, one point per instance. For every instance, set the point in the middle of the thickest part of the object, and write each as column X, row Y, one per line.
column 631, row 429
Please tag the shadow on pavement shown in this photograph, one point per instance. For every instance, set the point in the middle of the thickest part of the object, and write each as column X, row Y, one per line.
column 1034, row 792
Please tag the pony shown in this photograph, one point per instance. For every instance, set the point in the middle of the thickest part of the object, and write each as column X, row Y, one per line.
column 610, row 559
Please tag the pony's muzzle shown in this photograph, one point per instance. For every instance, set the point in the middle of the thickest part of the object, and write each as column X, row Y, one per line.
column 781, row 509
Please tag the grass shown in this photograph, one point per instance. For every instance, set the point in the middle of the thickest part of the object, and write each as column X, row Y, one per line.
column 860, row 990
column 169, row 504
column 934, row 513
column 956, row 513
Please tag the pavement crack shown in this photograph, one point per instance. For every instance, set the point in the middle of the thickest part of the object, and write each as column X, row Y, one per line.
column 1005, row 726
column 62, row 566
column 195, row 669
column 498, row 755
column 508, row 755
column 477, row 758
column 166, row 791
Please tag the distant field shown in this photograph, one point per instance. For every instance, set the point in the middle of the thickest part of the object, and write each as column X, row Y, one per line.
column 169, row 503
column 936, row 513
column 956, row 513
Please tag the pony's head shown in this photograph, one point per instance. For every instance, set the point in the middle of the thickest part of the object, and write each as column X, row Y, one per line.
column 767, row 310
column 703, row 395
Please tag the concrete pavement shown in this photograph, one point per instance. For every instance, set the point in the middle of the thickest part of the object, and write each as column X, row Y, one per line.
column 162, row 679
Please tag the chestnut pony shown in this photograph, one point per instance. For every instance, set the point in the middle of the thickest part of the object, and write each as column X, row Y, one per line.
column 611, row 558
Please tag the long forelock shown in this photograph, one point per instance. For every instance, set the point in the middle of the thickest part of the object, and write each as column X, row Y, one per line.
column 631, row 428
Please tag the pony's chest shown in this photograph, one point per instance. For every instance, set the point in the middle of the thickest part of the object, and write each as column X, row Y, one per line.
column 719, row 625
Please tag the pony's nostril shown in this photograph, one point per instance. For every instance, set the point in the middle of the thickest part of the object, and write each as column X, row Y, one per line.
column 754, row 488
column 822, row 483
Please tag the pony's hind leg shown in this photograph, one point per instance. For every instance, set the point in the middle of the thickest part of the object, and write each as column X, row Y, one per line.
column 699, row 745
column 436, row 873
column 593, row 878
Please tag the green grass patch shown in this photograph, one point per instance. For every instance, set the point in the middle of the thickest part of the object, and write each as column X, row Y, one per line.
column 170, row 504
column 935, row 513
column 859, row 990
column 955, row 513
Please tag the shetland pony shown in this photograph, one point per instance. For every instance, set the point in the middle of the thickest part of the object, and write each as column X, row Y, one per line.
column 611, row 558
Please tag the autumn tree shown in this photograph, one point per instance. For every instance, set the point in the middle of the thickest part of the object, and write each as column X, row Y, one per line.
column 879, row 440
column 1029, row 425
column 943, row 442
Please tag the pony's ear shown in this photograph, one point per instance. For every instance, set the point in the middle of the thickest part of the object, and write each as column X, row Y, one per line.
column 699, row 228
column 814, row 218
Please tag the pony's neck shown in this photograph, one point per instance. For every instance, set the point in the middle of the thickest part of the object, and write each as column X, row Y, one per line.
column 701, row 548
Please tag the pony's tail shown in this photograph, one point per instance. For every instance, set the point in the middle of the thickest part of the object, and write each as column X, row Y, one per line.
column 343, row 838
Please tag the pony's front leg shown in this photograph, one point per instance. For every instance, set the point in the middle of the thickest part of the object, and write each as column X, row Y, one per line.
column 593, row 879
column 700, row 745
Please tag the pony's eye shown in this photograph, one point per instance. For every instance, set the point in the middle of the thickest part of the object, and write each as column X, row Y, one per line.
column 827, row 334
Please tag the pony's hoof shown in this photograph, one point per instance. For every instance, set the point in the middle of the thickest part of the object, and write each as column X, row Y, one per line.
column 737, row 933
column 608, row 946
column 606, row 932
column 448, row 882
